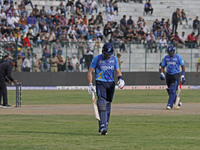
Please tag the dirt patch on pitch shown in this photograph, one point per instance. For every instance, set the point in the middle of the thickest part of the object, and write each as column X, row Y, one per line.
column 117, row 109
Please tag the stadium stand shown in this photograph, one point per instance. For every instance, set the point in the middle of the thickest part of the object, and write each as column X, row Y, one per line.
column 135, row 55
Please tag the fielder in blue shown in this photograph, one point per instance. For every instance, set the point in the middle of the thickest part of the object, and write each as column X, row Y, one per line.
column 172, row 62
column 104, row 65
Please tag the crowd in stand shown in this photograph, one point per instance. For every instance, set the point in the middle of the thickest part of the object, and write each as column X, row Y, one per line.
column 82, row 25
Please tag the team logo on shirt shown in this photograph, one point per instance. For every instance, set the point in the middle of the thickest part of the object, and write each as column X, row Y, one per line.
column 171, row 63
column 107, row 67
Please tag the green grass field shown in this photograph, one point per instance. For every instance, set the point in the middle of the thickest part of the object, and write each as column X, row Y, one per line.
column 131, row 132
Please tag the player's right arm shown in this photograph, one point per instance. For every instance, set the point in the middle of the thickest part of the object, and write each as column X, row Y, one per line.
column 162, row 75
column 90, row 77
column 91, row 88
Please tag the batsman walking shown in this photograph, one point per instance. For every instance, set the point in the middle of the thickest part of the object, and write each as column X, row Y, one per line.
column 104, row 65
column 172, row 62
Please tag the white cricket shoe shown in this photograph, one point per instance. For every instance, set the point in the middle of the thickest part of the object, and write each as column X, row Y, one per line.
column 168, row 108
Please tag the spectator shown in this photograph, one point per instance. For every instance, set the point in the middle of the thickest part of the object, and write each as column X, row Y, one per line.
column 111, row 19
column 151, row 44
column 183, row 17
column 49, row 21
column 45, row 52
column 157, row 29
column 146, row 29
column 142, row 36
column 3, row 17
column 123, row 24
column 51, row 37
column 162, row 44
column 135, row 36
column 78, row 20
column 86, row 7
column 78, row 12
column 183, row 37
column 70, row 7
column 115, row 7
column 22, row 9
column 99, row 33
column 19, row 63
column 41, row 22
column 85, row 21
column 130, row 22
column 71, row 38
column 122, row 46
column 117, row 33
column 116, row 45
column 109, row 7
column 88, row 57
column 63, row 38
column 178, row 40
column 10, row 21
column 99, row 19
column 93, row 6
column 36, row 64
column 107, row 31
column 148, row 7
column 79, row 5
column 56, row 47
column 91, row 44
column 191, row 42
column 63, row 22
column 61, row 64
column 32, row 22
column 27, row 64
column 91, row 21
column 36, row 12
column 75, row 64
column 68, row 63
column 175, row 19
column 43, row 11
column 52, row 12
column 53, row 63
column 81, row 46
column 44, row 66
column 61, row 8
column 196, row 25
column 140, row 21
column 26, row 40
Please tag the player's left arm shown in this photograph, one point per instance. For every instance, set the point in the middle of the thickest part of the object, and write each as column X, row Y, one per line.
column 183, row 69
column 120, row 82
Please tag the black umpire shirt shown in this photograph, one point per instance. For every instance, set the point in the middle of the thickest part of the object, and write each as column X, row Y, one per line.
column 5, row 71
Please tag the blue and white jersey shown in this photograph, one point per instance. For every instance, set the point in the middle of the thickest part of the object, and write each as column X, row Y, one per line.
column 172, row 64
column 104, row 68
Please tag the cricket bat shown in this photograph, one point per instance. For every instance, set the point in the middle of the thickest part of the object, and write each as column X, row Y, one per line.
column 178, row 97
column 96, row 112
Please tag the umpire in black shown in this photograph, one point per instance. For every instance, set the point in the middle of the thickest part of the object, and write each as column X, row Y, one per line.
column 5, row 76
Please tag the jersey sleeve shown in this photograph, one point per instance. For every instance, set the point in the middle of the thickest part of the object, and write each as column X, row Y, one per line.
column 181, row 61
column 163, row 62
column 116, row 63
column 94, row 62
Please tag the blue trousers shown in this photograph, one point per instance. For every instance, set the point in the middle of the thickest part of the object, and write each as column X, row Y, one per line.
column 172, row 84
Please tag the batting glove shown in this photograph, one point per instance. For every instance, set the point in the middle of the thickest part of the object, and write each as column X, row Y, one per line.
column 182, row 79
column 121, row 83
column 162, row 76
column 91, row 89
